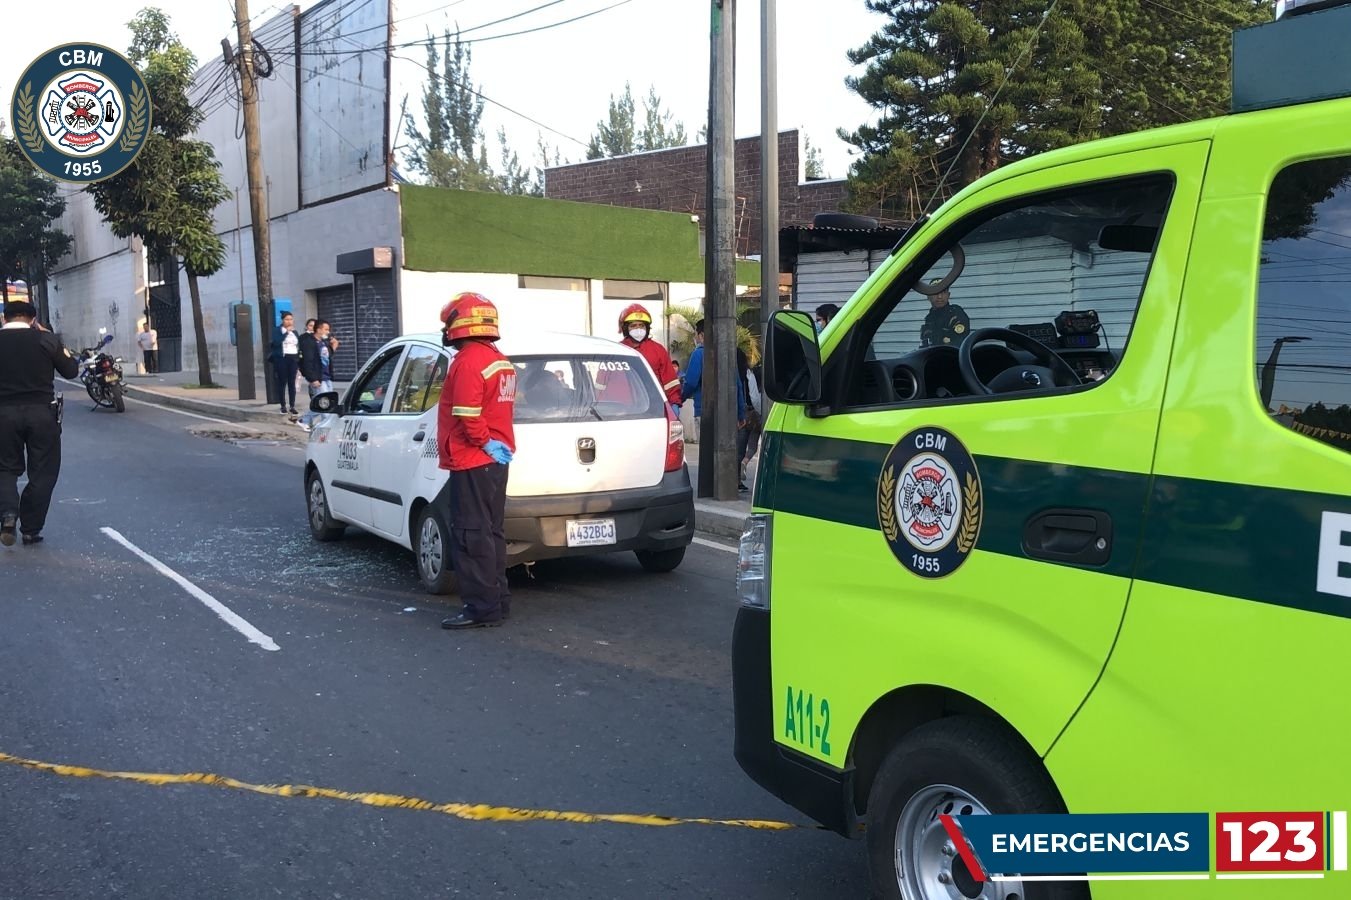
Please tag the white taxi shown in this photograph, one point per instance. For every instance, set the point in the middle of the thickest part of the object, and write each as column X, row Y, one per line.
column 599, row 464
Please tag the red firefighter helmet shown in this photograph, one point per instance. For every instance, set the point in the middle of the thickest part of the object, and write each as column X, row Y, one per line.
column 634, row 312
column 470, row 315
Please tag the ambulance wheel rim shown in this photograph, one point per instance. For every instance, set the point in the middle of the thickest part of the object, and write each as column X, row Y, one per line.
column 431, row 552
column 928, row 866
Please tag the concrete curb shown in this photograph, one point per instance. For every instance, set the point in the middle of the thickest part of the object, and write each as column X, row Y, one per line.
column 709, row 518
column 203, row 407
column 714, row 520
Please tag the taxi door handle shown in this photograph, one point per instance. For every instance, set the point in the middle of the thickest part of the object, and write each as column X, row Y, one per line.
column 418, row 438
column 1071, row 535
column 365, row 436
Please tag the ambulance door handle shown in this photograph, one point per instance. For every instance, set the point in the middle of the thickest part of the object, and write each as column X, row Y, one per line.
column 1070, row 535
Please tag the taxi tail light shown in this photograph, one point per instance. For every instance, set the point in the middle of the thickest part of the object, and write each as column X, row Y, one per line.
column 752, row 570
column 675, row 442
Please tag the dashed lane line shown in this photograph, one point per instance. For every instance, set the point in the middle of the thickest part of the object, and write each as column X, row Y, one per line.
column 476, row 812
column 227, row 615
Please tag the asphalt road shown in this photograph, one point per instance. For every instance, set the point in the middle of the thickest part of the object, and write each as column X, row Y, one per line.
column 608, row 691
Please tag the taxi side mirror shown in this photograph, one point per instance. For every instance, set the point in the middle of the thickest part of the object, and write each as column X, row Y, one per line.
column 792, row 359
column 324, row 403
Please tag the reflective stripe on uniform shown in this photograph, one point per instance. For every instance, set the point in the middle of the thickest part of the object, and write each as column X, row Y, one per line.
column 670, row 384
column 500, row 365
column 467, row 412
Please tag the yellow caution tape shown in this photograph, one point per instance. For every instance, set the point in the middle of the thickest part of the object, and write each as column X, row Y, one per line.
column 477, row 812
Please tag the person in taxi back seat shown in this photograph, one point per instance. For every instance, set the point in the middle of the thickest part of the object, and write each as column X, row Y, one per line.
column 476, row 442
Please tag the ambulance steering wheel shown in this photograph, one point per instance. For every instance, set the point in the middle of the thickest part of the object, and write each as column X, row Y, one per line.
column 1054, row 372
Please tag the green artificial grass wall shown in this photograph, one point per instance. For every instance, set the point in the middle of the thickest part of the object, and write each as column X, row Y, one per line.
column 470, row 231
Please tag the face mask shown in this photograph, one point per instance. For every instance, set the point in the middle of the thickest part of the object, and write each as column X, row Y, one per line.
column 638, row 334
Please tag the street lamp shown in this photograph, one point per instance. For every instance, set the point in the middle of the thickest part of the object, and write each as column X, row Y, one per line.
column 1269, row 370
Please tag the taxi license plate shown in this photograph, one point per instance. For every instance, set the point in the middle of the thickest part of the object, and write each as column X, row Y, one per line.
column 590, row 532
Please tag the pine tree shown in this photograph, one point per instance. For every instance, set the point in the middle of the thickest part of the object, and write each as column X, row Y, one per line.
column 1095, row 68
column 451, row 151
column 619, row 135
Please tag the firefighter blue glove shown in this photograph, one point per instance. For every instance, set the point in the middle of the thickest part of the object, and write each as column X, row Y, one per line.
column 675, row 409
column 499, row 451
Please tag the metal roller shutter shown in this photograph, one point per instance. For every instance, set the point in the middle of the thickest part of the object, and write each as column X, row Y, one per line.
column 336, row 307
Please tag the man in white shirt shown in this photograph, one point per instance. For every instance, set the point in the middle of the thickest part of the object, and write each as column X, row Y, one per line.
column 148, row 340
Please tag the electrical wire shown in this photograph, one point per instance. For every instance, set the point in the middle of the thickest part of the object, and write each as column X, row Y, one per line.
column 1027, row 48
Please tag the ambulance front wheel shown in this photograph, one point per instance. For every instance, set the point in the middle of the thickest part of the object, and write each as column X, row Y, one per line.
column 957, row 766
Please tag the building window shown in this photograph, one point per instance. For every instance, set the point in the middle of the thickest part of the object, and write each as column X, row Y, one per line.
column 554, row 283
column 1304, row 301
column 651, row 291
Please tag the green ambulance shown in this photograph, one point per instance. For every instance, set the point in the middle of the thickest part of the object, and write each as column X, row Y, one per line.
column 1086, row 545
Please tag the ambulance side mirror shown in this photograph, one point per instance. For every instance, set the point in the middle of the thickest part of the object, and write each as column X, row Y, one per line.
column 792, row 359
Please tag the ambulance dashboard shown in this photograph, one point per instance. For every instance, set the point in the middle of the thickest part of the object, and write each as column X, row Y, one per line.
column 933, row 373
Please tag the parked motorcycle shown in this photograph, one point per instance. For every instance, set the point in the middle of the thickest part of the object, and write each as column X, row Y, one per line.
column 101, row 374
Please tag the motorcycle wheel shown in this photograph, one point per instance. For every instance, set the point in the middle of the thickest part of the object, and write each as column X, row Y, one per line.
column 95, row 391
column 119, row 403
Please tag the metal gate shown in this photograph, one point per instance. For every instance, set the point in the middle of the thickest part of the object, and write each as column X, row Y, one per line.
column 166, row 316
column 376, row 312
column 335, row 306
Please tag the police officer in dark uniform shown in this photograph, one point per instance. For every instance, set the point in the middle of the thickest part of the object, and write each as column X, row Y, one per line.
column 945, row 323
column 30, row 434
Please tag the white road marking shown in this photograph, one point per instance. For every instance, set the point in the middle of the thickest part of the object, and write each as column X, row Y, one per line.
column 705, row 542
column 227, row 615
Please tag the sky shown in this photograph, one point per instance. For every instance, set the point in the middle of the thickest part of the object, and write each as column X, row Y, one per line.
column 561, row 77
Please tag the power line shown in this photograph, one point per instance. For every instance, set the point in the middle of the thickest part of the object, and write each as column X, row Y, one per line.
column 422, row 42
column 1036, row 33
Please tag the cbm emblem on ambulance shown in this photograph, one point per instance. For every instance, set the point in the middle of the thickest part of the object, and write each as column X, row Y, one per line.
column 929, row 502
column 81, row 112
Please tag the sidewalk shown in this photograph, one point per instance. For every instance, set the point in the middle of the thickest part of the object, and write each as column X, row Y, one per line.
column 715, row 517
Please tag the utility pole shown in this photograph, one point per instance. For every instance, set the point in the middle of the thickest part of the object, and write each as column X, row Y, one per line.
column 718, row 468
column 253, row 157
column 769, row 166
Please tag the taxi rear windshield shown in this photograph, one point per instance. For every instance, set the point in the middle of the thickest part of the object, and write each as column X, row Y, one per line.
column 584, row 388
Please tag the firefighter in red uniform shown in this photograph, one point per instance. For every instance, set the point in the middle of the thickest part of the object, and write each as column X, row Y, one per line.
column 635, row 324
column 476, row 442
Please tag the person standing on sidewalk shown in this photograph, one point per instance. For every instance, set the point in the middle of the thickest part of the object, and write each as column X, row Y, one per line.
column 30, row 427
column 316, row 365
column 286, row 360
column 148, row 341
column 476, row 443
column 692, row 384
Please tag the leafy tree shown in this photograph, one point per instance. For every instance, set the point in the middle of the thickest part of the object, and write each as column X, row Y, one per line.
column 815, row 164
column 450, row 151
column 619, row 133
column 1091, row 68
column 29, row 245
column 167, row 196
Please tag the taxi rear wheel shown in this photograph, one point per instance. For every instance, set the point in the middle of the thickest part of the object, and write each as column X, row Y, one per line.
column 956, row 766
column 322, row 524
column 660, row 560
column 431, row 547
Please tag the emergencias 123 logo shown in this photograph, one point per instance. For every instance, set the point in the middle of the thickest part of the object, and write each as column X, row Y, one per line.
column 1149, row 846
column 81, row 112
